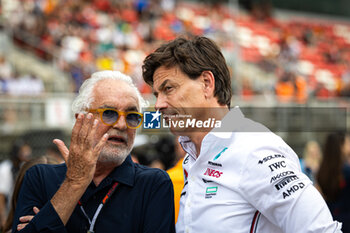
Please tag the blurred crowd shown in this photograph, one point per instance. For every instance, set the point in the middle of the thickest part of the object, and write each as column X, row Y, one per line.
column 313, row 60
column 16, row 84
column 305, row 57
column 85, row 36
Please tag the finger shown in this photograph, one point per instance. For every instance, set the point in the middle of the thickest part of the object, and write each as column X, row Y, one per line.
column 26, row 218
column 62, row 148
column 36, row 210
column 92, row 133
column 85, row 129
column 21, row 226
column 100, row 144
column 76, row 128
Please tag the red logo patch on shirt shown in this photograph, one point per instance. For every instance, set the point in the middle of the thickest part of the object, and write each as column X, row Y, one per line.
column 213, row 173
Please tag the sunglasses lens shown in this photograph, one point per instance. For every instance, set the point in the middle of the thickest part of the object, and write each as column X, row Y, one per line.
column 110, row 116
column 133, row 119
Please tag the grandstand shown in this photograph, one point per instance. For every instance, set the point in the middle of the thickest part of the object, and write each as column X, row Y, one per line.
column 290, row 71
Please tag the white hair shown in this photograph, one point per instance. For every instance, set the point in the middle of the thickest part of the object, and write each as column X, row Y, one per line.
column 85, row 97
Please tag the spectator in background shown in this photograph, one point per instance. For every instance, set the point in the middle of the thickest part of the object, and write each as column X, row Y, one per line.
column 6, row 72
column 10, row 118
column 166, row 150
column 334, row 179
column 9, row 168
column 26, row 84
column 46, row 159
column 53, row 151
column 147, row 155
column 311, row 160
column 345, row 82
column 285, row 88
column 347, row 148
column 289, row 54
column 159, row 153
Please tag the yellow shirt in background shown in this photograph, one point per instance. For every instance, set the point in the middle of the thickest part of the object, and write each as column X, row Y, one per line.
column 177, row 177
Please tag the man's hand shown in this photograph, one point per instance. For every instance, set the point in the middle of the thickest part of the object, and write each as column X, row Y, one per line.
column 26, row 219
column 62, row 148
column 81, row 159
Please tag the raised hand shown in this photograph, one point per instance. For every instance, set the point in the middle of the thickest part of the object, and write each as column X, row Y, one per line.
column 62, row 148
column 81, row 159
column 84, row 150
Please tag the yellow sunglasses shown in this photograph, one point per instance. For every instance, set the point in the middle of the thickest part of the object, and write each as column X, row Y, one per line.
column 110, row 116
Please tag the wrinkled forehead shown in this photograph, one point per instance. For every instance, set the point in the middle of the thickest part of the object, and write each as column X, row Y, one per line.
column 162, row 74
column 115, row 94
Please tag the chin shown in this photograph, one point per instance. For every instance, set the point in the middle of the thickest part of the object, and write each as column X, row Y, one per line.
column 113, row 156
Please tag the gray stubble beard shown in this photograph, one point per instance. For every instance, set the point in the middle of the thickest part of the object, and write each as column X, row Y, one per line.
column 116, row 157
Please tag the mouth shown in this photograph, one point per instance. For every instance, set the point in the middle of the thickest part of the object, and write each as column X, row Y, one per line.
column 116, row 139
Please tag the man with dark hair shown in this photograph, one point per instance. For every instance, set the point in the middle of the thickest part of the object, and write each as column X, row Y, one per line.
column 192, row 59
column 239, row 176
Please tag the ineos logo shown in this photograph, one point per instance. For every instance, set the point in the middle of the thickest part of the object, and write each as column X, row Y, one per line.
column 213, row 173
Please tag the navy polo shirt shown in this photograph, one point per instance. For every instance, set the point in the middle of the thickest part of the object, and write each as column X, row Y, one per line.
column 143, row 201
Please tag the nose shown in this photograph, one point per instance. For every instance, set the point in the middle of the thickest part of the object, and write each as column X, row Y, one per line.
column 161, row 102
column 121, row 123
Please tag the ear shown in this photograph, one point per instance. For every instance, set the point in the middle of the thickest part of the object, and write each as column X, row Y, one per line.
column 207, row 77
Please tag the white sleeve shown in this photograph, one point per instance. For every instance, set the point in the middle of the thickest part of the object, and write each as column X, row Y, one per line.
column 273, row 183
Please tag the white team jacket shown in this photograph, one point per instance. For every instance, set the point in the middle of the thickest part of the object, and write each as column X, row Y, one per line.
column 248, row 180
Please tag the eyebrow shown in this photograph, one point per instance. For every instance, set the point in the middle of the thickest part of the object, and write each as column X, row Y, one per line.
column 132, row 109
column 128, row 109
column 106, row 106
column 161, row 87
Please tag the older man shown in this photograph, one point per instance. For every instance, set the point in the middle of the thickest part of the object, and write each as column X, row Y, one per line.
column 238, row 177
column 100, row 189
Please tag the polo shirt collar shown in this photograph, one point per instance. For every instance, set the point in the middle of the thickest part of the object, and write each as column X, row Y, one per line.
column 125, row 173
